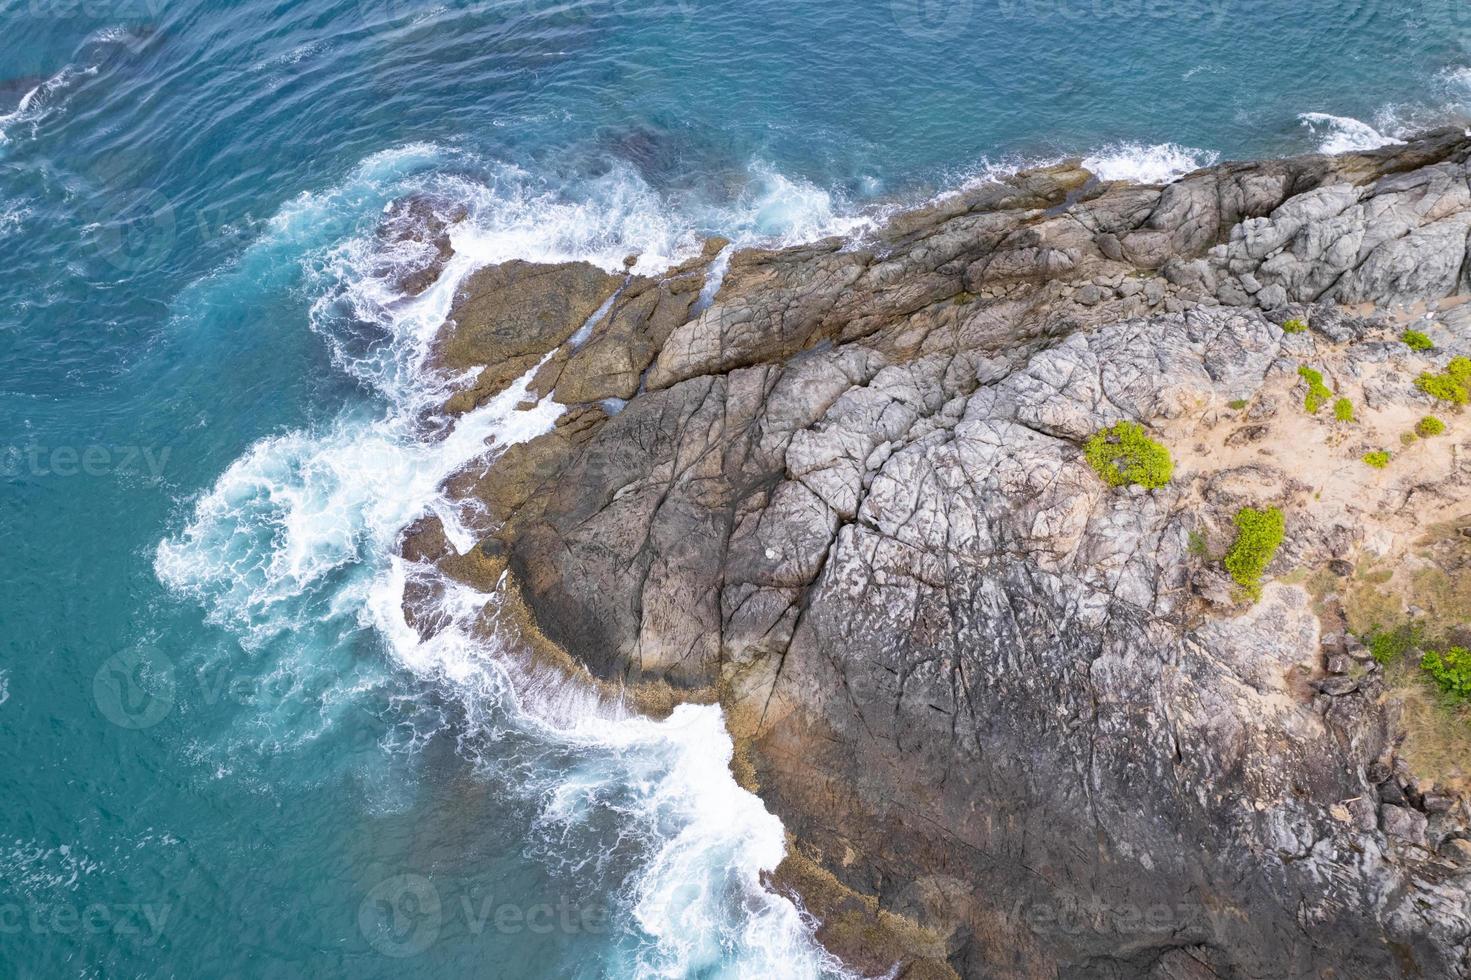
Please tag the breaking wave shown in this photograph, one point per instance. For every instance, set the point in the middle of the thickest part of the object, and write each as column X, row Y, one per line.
column 1343, row 134
column 297, row 538
column 1158, row 163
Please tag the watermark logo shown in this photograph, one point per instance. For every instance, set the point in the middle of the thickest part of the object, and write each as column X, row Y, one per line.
column 388, row 13
column 134, row 227
column 1068, row 914
column 931, row 20
column 405, row 914
column 138, row 688
column 134, row 230
column 401, row 916
column 135, row 689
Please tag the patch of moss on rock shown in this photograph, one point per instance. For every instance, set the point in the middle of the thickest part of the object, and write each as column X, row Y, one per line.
column 1343, row 410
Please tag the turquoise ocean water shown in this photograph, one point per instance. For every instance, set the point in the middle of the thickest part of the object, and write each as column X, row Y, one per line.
column 223, row 753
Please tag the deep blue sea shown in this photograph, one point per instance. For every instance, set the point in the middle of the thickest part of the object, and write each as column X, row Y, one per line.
column 224, row 755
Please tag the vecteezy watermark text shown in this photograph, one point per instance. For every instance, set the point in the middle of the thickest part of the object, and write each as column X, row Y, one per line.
column 1074, row 915
column 91, row 460
column 138, row 688
column 140, row 922
column 405, row 914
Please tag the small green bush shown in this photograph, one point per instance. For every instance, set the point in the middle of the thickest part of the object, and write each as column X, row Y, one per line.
column 1124, row 454
column 1408, row 438
column 1343, row 410
column 1294, row 326
column 1429, row 426
column 1388, row 647
column 1259, row 533
column 1417, row 340
column 1451, row 670
column 1318, row 392
column 1378, row 459
column 1198, row 545
column 1442, row 387
column 1451, row 385
column 1237, row 403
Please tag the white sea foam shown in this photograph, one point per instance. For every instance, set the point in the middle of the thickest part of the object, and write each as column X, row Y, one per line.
column 40, row 102
column 705, row 843
column 714, row 278
column 778, row 209
column 1158, row 163
column 31, row 867
column 12, row 215
column 1343, row 134
column 302, row 530
column 298, row 506
column 1142, row 163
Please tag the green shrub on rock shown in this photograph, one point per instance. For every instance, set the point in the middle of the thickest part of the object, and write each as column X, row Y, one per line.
column 1343, row 410
column 1416, row 340
column 1318, row 392
column 1429, row 426
column 1294, row 326
column 1259, row 533
column 1123, row 454
column 1378, row 459
column 1451, row 670
column 1451, row 385
column 1387, row 647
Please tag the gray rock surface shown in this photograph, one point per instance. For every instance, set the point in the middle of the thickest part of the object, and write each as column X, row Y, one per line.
column 977, row 683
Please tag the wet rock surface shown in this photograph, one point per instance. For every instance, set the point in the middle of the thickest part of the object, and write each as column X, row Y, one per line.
column 1025, row 711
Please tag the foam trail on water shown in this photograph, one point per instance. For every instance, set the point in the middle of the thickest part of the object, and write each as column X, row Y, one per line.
column 298, row 537
column 41, row 101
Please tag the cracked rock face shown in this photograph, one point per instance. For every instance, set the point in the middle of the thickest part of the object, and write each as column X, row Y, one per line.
column 1012, row 703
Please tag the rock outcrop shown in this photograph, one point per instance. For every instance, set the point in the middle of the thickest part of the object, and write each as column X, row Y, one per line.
column 1024, row 711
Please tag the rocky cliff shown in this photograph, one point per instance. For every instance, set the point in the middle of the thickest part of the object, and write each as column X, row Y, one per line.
column 1021, row 723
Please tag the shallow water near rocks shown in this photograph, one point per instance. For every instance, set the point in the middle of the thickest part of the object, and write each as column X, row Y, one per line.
column 226, row 754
